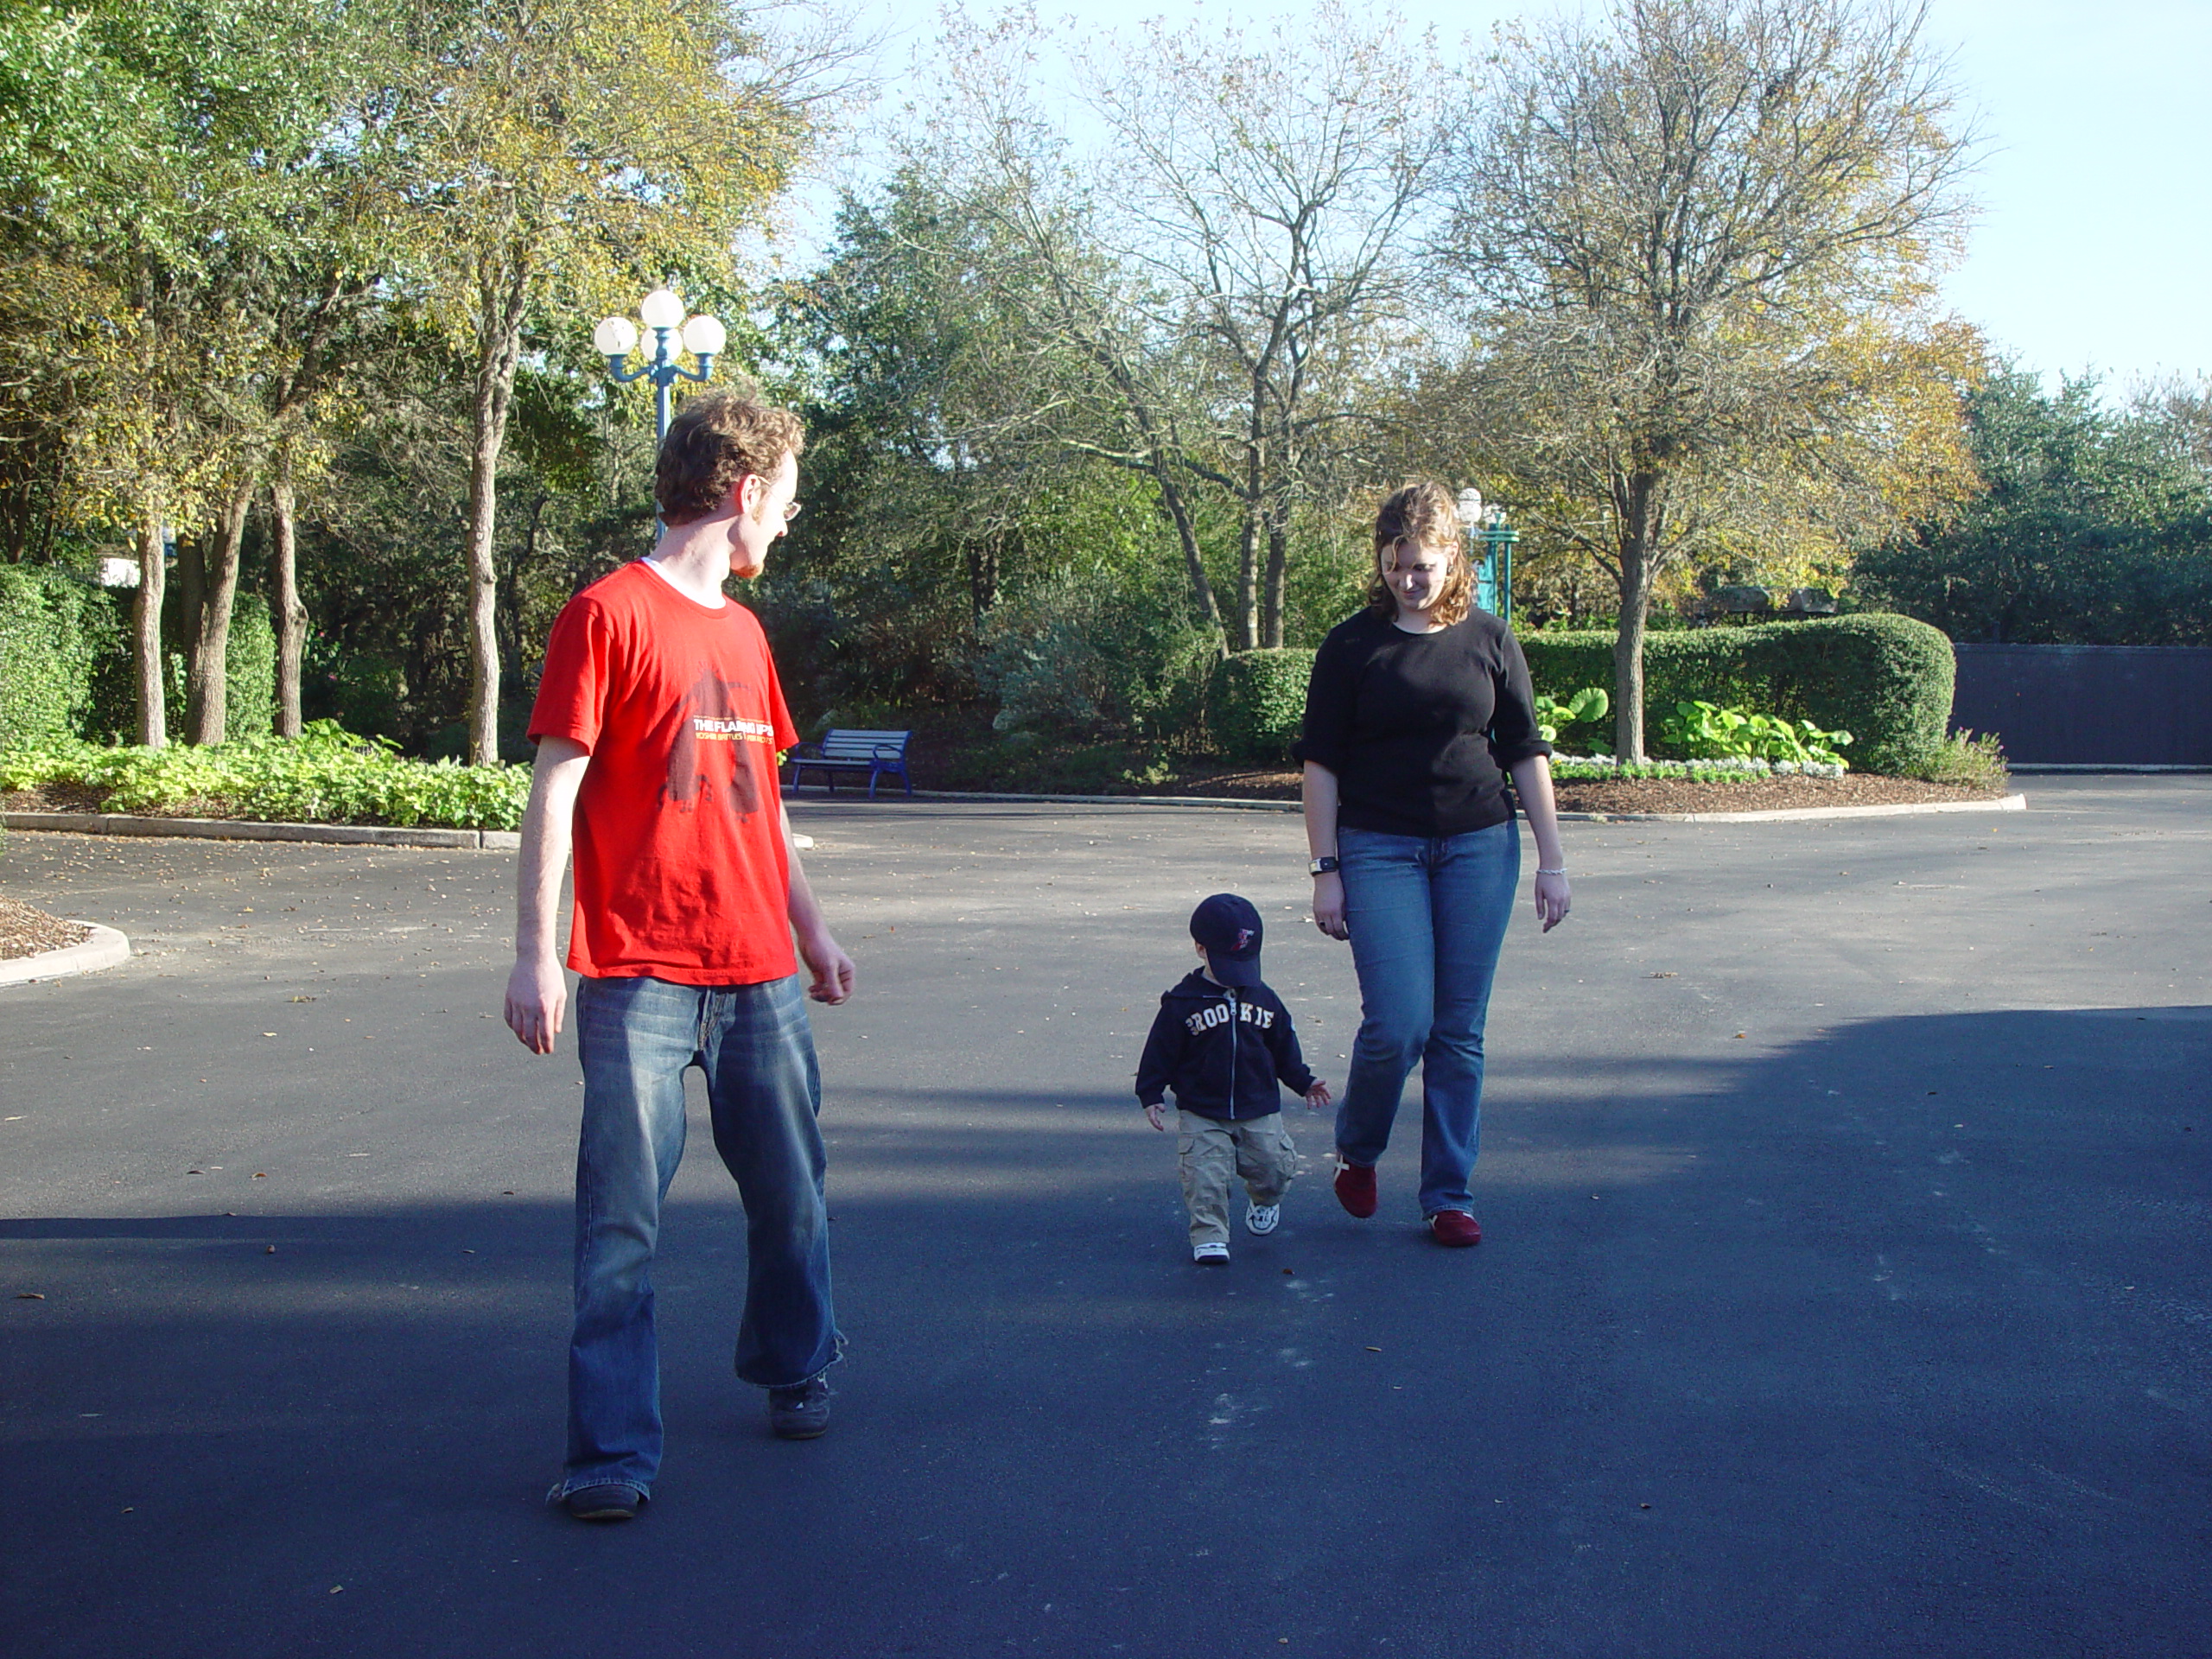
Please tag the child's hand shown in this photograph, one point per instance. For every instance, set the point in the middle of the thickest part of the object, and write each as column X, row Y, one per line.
column 1152, row 1117
column 1318, row 1096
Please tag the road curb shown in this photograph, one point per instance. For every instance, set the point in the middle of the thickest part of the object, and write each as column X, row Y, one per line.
column 106, row 948
column 1894, row 810
column 507, row 841
column 351, row 835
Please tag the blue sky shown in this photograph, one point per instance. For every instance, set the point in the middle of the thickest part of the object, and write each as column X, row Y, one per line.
column 2092, row 249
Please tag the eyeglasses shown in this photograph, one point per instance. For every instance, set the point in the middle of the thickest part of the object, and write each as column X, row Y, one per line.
column 790, row 512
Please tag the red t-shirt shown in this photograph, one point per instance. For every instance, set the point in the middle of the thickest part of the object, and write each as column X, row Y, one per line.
column 681, row 871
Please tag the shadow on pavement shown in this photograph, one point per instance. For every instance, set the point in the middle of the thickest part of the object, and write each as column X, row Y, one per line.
column 1893, row 1342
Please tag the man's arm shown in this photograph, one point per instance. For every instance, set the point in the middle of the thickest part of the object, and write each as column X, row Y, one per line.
column 537, row 994
column 831, row 967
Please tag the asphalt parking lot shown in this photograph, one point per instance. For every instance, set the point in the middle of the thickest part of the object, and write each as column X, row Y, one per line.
column 1843, row 1287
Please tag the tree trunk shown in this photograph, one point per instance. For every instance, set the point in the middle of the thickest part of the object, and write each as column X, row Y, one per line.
column 207, row 699
column 291, row 615
column 1638, row 527
column 1271, row 601
column 495, row 361
column 146, row 626
column 1248, row 581
column 1186, row 537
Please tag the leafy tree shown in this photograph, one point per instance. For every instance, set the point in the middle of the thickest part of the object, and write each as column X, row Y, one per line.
column 1224, row 265
column 1698, row 236
column 561, row 154
column 2095, row 526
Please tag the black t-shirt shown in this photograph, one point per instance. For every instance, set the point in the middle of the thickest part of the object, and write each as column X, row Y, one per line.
column 1420, row 729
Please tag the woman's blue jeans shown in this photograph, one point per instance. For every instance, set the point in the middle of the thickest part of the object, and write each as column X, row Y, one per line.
column 1427, row 919
column 755, row 1046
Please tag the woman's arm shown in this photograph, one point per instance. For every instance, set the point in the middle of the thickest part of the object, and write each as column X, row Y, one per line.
column 1532, row 781
column 1321, row 843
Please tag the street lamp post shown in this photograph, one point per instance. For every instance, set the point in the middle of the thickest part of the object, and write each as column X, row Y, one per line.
column 661, row 311
column 1491, row 542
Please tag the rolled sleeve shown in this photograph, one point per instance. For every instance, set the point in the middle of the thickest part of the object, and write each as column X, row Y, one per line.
column 1514, row 734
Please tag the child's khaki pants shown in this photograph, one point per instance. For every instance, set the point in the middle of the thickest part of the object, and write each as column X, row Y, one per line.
column 1257, row 1149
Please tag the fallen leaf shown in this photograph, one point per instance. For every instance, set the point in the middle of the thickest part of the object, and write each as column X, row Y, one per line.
column 260, row 1174
column 1373, row 1350
column 1665, row 976
column 271, row 1250
column 268, row 1033
column 30, row 1295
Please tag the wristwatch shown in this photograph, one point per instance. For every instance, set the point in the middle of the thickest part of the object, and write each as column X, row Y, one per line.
column 1325, row 865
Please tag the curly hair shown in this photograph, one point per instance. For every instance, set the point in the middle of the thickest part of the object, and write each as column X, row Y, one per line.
column 716, row 439
column 1425, row 515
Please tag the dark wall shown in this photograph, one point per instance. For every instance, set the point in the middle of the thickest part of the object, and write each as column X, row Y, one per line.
column 2090, row 705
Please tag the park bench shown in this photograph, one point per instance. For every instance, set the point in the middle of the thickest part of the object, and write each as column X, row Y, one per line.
column 874, row 752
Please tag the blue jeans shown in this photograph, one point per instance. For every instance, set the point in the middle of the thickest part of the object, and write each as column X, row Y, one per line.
column 756, row 1048
column 1427, row 919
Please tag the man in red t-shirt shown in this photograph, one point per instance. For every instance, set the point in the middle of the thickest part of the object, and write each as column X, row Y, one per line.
column 657, row 724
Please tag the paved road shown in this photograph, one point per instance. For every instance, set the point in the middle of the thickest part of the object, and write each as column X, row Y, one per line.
column 1844, row 1289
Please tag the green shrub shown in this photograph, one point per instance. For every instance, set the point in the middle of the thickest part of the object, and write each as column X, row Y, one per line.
column 1255, row 702
column 1965, row 759
column 1071, row 658
column 1887, row 679
column 55, row 631
column 328, row 776
column 1705, row 731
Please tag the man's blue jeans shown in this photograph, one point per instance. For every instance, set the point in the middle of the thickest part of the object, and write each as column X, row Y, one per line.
column 1427, row 919
column 764, row 1091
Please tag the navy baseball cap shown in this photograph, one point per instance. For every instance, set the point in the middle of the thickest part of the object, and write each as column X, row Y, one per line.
column 1229, row 929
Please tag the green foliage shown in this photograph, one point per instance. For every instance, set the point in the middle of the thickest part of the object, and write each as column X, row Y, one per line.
column 2095, row 529
column 1886, row 679
column 1068, row 658
column 1971, row 761
column 1587, row 709
column 54, row 632
column 1255, row 702
column 1705, row 731
column 329, row 776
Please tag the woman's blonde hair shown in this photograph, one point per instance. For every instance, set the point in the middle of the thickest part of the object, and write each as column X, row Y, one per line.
column 1425, row 515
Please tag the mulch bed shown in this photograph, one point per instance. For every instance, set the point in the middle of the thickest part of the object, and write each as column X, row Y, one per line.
column 1642, row 794
column 28, row 933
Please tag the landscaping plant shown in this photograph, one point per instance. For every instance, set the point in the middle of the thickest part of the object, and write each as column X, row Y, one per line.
column 326, row 776
column 1705, row 731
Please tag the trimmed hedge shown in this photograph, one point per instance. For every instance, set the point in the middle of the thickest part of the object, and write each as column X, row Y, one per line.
column 1887, row 680
column 1255, row 702
column 55, row 631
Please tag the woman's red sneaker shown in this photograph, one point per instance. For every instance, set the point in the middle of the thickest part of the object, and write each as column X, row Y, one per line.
column 1356, row 1189
column 1455, row 1227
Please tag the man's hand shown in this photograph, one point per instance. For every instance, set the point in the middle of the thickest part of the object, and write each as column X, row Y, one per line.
column 1318, row 1097
column 537, row 996
column 1152, row 1115
column 831, row 967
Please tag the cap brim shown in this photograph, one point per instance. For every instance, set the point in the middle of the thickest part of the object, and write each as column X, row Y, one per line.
column 1234, row 973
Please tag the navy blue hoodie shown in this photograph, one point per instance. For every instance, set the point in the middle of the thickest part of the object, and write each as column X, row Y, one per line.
column 1225, row 1052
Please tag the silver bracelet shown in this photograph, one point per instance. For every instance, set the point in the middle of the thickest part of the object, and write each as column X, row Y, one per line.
column 1541, row 870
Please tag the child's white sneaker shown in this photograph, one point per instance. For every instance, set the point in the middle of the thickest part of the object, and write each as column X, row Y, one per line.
column 1209, row 1255
column 1260, row 1219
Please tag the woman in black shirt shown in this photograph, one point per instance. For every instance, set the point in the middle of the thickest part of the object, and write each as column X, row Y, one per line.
column 1418, row 710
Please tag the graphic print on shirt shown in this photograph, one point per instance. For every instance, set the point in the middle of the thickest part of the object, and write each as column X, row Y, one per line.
column 1217, row 1014
column 710, row 716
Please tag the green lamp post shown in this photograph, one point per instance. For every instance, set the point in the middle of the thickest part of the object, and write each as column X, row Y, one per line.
column 661, row 311
column 1491, row 542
